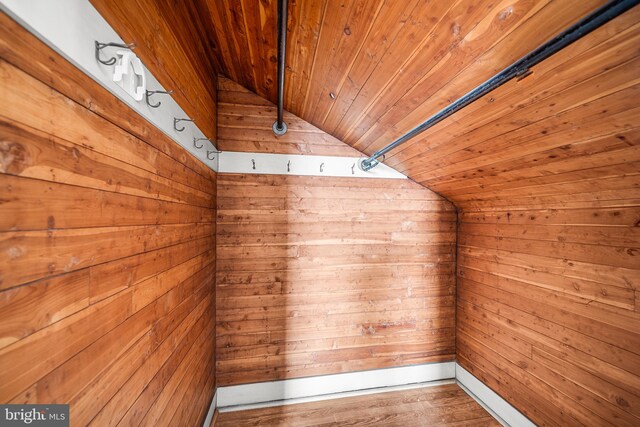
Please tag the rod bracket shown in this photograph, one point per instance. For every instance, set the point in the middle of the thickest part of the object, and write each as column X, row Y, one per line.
column 279, row 130
column 367, row 164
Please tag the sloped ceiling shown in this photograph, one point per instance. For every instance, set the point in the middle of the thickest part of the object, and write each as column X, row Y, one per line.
column 366, row 72
column 570, row 127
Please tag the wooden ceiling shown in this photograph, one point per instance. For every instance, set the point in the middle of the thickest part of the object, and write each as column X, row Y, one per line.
column 366, row 72
column 391, row 64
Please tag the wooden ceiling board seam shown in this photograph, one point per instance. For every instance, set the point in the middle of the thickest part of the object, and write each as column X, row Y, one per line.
column 620, row 169
column 337, row 76
column 361, row 106
column 332, row 19
column 173, row 45
column 217, row 24
column 364, row 68
column 297, row 78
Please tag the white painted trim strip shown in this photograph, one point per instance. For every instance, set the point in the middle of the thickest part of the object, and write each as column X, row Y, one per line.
column 295, row 164
column 212, row 410
column 247, row 394
column 70, row 27
column 490, row 400
column 336, row 395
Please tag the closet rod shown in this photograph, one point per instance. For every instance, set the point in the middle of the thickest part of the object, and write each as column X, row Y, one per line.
column 520, row 68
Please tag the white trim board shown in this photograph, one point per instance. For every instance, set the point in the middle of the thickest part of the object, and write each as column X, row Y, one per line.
column 341, row 395
column 296, row 164
column 212, row 410
column 311, row 389
column 247, row 394
column 71, row 27
column 490, row 400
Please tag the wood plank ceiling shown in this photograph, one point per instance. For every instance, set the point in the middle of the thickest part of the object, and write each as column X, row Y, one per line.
column 391, row 64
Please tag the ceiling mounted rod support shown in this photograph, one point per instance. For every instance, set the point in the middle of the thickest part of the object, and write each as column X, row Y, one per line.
column 280, row 127
column 519, row 69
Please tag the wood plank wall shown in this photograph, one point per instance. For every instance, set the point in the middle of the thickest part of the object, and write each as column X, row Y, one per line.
column 245, row 124
column 107, row 236
column 173, row 42
column 549, row 309
column 317, row 275
column 546, row 175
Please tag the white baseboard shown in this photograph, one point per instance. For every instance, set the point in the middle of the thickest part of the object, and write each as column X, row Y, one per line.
column 297, row 388
column 490, row 400
column 212, row 410
column 335, row 396
column 311, row 389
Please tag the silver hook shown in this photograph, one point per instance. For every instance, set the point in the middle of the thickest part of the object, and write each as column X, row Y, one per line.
column 254, row 164
column 321, row 167
column 151, row 92
column 113, row 60
column 176, row 121
column 353, row 167
column 289, row 166
column 195, row 140
column 211, row 152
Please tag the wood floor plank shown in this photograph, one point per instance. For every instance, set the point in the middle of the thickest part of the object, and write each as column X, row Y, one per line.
column 443, row 405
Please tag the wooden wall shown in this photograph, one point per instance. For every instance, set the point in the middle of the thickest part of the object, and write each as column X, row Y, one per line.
column 545, row 173
column 549, row 308
column 245, row 124
column 107, row 236
column 315, row 275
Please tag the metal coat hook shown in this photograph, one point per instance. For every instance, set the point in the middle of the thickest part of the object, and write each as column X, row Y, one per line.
column 195, row 140
column 214, row 152
column 253, row 162
column 151, row 92
column 289, row 166
column 321, row 167
column 113, row 60
column 176, row 121
column 353, row 169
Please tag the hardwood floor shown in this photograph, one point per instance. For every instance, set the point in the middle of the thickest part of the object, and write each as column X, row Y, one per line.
column 444, row 405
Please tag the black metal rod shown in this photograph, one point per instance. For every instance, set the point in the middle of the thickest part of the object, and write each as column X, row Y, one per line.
column 282, row 50
column 595, row 20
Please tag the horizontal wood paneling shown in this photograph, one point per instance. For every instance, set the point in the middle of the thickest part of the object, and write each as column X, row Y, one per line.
column 545, row 173
column 174, row 43
column 107, row 243
column 547, row 311
column 316, row 277
column 245, row 123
